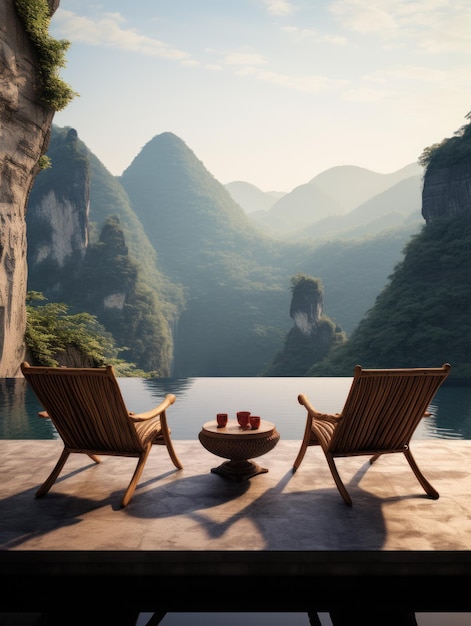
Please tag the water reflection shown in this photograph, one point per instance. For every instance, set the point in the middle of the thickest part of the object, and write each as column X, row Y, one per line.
column 199, row 399
column 451, row 410
column 19, row 412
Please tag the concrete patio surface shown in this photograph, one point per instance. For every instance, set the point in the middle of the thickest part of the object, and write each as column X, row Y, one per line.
column 290, row 534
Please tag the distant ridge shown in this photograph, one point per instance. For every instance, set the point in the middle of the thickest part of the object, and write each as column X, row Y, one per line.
column 350, row 185
column 329, row 197
column 251, row 198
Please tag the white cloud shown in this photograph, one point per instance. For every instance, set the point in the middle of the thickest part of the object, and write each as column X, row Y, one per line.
column 364, row 17
column 301, row 34
column 283, row 71
column 244, row 58
column 106, row 30
column 278, row 7
column 366, row 95
column 306, row 84
column 416, row 73
column 432, row 26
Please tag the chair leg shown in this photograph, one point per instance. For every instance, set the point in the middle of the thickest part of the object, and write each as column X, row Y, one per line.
column 375, row 457
column 135, row 477
column 51, row 479
column 429, row 490
column 172, row 453
column 304, row 444
column 301, row 453
column 338, row 481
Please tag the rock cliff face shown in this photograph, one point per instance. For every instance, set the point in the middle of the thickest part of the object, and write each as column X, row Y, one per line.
column 446, row 191
column 58, row 219
column 25, row 126
column 307, row 305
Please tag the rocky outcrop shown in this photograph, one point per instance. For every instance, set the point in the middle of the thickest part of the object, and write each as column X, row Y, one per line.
column 313, row 334
column 446, row 191
column 58, row 218
column 25, row 125
column 307, row 305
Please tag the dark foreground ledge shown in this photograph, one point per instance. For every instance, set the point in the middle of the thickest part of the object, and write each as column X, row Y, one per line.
column 211, row 581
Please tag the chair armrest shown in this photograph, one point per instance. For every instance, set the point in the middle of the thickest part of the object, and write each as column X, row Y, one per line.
column 155, row 412
column 326, row 417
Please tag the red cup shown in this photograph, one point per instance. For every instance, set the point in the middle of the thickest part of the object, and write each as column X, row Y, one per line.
column 243, row 417
column 255, row 421
column 221, row 419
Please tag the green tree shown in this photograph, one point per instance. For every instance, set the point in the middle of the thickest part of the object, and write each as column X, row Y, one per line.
column 54, row 337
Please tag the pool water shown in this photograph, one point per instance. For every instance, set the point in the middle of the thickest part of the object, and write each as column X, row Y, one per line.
column 200, row 399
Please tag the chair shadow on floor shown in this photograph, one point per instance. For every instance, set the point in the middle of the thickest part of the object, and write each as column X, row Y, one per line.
column 204, row 498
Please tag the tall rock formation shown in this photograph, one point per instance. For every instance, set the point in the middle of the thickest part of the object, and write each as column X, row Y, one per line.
column 447, row 181
column 25, row 125
column 447, row 191
column 313, row 334
column 57, row 217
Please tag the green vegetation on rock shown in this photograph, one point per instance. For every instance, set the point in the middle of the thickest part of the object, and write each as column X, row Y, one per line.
column 36, row 18
column 55, row 337
column 450, row 151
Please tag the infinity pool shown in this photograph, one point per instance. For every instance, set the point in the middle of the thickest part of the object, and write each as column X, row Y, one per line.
column 199, row 399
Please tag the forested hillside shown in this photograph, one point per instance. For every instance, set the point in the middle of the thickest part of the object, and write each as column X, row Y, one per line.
column 195, row 269
column 422, row 316
column 88, row 265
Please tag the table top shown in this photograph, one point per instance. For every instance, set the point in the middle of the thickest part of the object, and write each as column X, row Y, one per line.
column 232, row 429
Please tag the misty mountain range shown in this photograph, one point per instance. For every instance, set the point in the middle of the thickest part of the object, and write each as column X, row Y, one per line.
column 343, row 201
column 220, row 276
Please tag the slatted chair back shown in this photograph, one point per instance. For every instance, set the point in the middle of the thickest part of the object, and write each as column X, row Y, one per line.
column 384, row 408
column 86, row 407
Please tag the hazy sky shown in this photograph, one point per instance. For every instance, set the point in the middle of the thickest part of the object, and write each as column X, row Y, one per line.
column 271, row 92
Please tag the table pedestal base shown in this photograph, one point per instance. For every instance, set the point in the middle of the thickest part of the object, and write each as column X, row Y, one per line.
column 239, row 470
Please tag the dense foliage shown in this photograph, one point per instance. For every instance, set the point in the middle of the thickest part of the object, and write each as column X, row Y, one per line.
column 55, row 93
column 451, row 151
column 422, row 316
column 56, row 337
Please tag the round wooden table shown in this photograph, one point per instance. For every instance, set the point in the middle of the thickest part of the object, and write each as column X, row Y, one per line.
column 239, row 446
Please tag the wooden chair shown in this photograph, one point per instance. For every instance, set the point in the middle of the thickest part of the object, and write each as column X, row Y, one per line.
column 381, row 413
column 88, row 411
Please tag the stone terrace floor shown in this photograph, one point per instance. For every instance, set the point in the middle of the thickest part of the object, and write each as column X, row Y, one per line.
column 289, row 534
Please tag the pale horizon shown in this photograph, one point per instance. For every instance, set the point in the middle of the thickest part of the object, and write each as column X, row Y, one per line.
column 269, row 92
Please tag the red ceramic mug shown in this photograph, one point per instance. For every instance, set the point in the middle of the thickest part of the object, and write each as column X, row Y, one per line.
column 221, row 419
column 255, row 421
column 243, row 417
